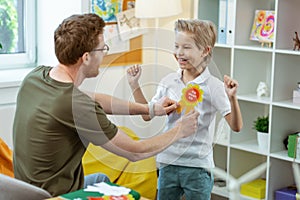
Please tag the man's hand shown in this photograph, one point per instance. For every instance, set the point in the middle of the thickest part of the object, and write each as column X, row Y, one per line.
column 188, row 124
column 164, row 106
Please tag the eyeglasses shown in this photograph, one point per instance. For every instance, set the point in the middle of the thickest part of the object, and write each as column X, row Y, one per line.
column 105, row 49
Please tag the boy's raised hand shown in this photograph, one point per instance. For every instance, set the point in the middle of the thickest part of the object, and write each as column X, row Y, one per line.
column 133, row 75
column 231, row 86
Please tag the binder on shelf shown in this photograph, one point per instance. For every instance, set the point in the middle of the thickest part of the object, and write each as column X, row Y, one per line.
column 230, row 22
column 222, row 28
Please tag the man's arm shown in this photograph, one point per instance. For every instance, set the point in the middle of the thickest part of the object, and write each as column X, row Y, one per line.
column 116, row 106
column 124, row 146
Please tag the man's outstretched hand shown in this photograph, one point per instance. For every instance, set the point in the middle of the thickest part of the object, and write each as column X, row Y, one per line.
column 165, row 106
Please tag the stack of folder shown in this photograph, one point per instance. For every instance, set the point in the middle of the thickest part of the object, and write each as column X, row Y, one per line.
column 226, row 22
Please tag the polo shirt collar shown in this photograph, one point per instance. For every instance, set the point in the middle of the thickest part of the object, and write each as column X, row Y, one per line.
column 200, row 79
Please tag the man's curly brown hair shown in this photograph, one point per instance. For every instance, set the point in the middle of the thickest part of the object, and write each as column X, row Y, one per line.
column 76, row 35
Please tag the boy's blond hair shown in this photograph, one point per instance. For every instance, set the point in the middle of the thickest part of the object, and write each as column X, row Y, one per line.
column 203, row 32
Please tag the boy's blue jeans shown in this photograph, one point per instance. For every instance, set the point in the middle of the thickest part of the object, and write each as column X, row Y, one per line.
column 95, row 178
column 194, row 183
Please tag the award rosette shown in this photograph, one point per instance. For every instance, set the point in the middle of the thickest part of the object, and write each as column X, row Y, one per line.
column 191, row 96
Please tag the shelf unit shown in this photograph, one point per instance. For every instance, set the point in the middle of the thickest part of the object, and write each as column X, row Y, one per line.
column 249, row 63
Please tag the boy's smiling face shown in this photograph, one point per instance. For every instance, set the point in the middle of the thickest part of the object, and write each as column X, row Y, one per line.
column 186, row 51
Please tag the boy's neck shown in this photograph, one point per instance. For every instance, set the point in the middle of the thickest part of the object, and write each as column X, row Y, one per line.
column 191, row 74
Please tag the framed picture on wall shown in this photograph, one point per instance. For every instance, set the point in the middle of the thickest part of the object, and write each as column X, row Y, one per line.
column 263, row 26
column 123, row 51
column 113, row 40
column 128, row 4
column 106, row 9
column 129, row 26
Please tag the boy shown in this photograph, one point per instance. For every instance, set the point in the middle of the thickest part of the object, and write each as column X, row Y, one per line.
column 185, row 165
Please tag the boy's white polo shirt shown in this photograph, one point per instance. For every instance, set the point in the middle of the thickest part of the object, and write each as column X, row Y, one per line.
column 195, row 150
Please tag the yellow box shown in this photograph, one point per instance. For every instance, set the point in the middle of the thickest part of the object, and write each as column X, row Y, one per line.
column 256, row 189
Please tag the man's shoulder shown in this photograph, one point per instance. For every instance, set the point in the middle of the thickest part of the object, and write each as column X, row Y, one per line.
column 42, row 68
column 38, row 69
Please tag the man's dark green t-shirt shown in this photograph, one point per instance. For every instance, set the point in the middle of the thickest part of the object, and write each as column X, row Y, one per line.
column 54, row 123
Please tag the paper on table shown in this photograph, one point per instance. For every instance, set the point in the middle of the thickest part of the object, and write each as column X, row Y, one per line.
column 107, row 189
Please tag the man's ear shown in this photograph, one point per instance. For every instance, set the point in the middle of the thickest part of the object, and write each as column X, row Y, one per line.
column 85, row 57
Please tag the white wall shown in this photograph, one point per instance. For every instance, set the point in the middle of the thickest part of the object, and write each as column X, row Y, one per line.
column 49, row 15
column 111, row 80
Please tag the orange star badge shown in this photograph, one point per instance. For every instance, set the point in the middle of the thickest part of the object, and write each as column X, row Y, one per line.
column 191, row 96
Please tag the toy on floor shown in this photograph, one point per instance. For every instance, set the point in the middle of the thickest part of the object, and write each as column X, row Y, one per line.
column 234, row 184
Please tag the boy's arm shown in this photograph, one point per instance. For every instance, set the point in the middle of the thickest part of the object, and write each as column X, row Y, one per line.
column 133, row 76
column 234, row 119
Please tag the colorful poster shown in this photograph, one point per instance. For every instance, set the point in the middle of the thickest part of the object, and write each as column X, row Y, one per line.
column 107, row 9
column 263, row 26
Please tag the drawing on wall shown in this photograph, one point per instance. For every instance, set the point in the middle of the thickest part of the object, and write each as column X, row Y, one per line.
column 113, row 40
column 128, row 4
column 124, row 39
column 107, row 9
column 263, row 26
column 130, row 26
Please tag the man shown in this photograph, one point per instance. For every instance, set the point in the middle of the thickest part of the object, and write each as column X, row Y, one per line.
column 55, row 121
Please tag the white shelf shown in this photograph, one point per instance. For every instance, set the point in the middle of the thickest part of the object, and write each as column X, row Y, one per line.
column 243, row 197
column 287, row 104
column 255, row 98
column 224, row 144
column 250, row 63
column 254, row 48
column 223, row 45
column 221, row 191
column 287, row 51
column 283, row 155
column 250, row 146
